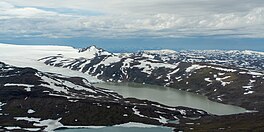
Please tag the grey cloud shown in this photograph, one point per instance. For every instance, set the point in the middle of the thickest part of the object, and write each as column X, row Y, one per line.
column 134, row 18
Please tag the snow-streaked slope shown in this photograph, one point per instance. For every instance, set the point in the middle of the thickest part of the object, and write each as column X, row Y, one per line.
column 249, row 52
column 55, row 100
column 221, row 75
column 28, row 55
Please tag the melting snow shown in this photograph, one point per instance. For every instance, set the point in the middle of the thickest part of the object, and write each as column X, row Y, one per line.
column 252, row 81
column 32, row 129
column 221, row 74
column 249, row 92
column 28, row 87
column 50, row 125
column 160, row 119
column 208, row 80
column 13, row 128
column 194, row 67
column 247, row 87
column 52, row 85
column 148, row 66
column 1, row 105
column 110, row 60
column 223, row 69
column 255, row 73
column 30, row 111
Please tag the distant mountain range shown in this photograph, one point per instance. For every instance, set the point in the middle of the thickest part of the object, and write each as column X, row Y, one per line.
column 220, row 75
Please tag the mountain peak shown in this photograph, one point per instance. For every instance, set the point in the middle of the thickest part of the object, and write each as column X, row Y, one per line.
column 93, row 51
column 90, row 48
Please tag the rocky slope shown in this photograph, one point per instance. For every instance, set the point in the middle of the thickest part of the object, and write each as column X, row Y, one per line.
column 219, row 75
column 31, row 100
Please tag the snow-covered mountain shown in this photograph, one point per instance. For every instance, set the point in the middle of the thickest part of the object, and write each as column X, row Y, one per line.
column 57, row 91
column 204, row 72
column 28, row 55
column 92, row 51
column 31, row 100
column 240, row 59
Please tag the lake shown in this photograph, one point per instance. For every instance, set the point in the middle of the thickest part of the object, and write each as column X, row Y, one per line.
column 163, row 95
column 171, row 97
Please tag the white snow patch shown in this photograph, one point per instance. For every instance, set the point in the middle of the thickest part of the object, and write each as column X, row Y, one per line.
column 27, row 119
column 28, row 87
column 78, row 87
column 223, row 69
column 148, row 56
column 255, row 73
column 247, row 87
column 223, row 83
column 13, row 128
column 32, row 129
column 194, row 67
column 252, row 81
column 249, row 92
column 52, row 85
column 110, row 60
column 136, row 112
column 208, row 80
column 49, row 124
column 162, row 120
column 219, row 99
column 221, row 74
column 249, row 52
column 30, row 111
column 74, row 101
column 1, row 105
column 148, row 66
column 183, row 112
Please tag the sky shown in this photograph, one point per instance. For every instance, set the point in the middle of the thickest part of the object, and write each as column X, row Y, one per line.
column 135, row 24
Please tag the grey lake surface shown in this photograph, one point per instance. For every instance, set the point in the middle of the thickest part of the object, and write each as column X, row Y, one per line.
column 171, row 97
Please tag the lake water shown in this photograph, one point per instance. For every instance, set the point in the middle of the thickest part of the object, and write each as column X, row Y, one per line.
column 171, row 97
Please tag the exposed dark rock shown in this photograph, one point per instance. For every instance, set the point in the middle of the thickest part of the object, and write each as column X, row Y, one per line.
column 28, row 97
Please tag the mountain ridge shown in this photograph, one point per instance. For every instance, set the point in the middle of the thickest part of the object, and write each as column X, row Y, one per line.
column 33, row 100
column 193, row 71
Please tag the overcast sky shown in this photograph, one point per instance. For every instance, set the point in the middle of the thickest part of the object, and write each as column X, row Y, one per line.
column 131, row 19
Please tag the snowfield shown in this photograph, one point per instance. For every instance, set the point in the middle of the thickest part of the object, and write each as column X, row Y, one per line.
column 28, row 55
